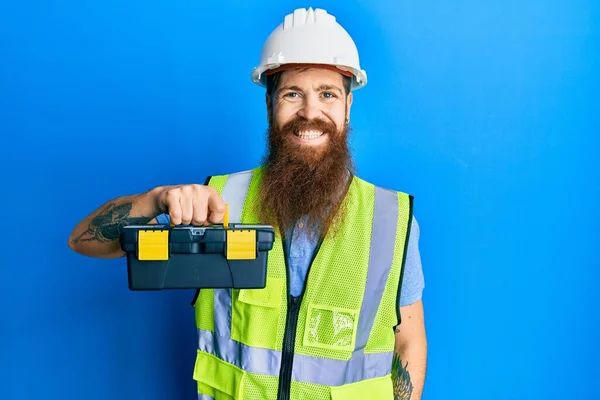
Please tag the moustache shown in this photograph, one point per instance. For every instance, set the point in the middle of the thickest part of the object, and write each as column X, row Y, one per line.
column 301, row 124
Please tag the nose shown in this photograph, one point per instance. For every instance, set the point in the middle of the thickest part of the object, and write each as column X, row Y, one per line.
column 310, row 109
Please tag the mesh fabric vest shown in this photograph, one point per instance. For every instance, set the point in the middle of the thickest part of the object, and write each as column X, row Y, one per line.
column 336, row 340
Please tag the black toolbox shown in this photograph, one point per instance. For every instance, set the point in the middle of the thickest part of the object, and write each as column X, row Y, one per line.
column 190, row 257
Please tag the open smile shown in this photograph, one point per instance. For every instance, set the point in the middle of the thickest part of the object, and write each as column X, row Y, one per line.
column 310, row 136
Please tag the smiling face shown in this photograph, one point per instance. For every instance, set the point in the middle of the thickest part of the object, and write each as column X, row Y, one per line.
column 311, row 106
column 308, row 162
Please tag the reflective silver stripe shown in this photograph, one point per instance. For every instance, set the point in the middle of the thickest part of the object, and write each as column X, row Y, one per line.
column 222, row 307
column 253, row 359
column 383, row 243
column 234, row 194
column 205, row 397
column 330, row 372
column 320, row 371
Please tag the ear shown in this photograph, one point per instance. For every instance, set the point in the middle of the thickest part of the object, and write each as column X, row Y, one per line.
column 269, row 108
column 348, row 106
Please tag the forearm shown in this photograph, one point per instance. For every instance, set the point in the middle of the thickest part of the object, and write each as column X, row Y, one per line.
column 408, row 371
column 98, row 234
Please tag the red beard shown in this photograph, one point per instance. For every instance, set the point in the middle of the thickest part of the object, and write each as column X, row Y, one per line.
column 302, row 181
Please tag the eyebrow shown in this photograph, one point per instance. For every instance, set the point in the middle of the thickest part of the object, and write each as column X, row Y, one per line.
column 284, row 88
column 329, row 87
column 320, row 88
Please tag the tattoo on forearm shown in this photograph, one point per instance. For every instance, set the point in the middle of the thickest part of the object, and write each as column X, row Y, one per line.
column 106, row 226
column 402, row 385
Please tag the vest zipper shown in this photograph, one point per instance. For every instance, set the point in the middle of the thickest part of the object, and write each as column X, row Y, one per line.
column 291, row 325
column 285, row 372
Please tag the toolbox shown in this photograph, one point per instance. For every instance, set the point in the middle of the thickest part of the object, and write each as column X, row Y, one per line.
column 191, row 257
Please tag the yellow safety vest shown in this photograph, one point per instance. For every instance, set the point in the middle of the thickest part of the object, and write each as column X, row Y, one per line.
column 336, row 340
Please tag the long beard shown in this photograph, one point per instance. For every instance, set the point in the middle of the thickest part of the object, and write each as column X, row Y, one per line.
column 302, row 182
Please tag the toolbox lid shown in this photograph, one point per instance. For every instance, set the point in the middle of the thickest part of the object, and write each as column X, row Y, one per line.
column 158, row 242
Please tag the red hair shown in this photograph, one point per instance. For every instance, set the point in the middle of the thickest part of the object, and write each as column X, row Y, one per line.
column 321, row 66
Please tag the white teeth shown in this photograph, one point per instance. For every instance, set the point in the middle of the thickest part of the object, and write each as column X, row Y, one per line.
column 309, row 134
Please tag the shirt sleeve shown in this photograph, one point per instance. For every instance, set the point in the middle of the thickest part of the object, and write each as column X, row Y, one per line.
column 413, row 281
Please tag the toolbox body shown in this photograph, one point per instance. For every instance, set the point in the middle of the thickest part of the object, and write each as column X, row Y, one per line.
column 189, row 257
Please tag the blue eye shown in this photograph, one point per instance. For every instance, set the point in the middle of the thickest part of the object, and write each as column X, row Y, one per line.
column 328, row 95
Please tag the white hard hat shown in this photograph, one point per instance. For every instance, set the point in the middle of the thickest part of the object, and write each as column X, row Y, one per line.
column 310, row 37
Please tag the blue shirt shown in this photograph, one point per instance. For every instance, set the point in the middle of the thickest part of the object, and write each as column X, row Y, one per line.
column 301, row 253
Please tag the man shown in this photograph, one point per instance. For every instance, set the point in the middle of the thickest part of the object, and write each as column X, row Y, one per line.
column 341, row 316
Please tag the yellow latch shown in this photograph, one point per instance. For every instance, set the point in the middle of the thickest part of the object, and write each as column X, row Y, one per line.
column 241, row 244
column 153, row 244
column 226, row 217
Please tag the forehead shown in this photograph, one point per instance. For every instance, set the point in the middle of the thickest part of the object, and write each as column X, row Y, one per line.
column 311, row 77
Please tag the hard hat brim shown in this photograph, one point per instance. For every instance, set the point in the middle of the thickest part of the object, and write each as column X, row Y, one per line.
column 359, row 77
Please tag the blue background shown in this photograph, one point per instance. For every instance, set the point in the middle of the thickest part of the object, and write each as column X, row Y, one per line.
column 486, row 111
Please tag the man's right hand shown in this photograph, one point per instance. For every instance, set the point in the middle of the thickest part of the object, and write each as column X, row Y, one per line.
column 191, row 204
column 97, row 235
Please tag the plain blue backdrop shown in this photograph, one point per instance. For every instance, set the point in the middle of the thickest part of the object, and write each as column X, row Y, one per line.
column 486, row 111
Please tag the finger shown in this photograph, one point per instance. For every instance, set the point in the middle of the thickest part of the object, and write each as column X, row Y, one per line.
column 187, row 208
column 173, row 207
column 200, row 209
column 216, row 208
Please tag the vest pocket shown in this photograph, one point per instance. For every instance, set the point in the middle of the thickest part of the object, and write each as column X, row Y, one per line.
column 270, row 296
column 331, row 328
column 256, row 314
column 217, row 378
column 380, row 388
